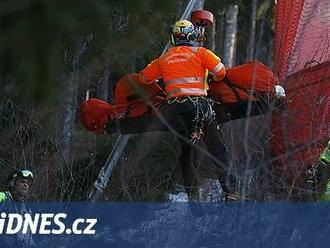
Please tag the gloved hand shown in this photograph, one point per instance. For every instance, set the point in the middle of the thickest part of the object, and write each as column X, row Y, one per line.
column 280, row 97
column 279, row 91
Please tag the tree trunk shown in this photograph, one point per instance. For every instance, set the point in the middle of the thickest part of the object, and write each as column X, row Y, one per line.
column 230, row 36
column 103, row 85
column 70, row 103
column 198, row 5
column 211, row 37
column 219, row 32
column 260, row 50
column 252, row 32
column 263, row 50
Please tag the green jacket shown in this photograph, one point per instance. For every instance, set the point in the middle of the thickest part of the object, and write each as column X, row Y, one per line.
column 325, row 155
column 325, row 159
column 5, row 196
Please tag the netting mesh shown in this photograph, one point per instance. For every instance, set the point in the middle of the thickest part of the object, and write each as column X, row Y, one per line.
column 302, row 58
column 287, row 19
column 312, row 43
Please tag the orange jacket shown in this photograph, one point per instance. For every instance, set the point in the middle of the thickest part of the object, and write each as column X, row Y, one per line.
column 184, row 70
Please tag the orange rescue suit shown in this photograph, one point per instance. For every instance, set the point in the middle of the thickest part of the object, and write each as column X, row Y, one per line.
column 184, row 70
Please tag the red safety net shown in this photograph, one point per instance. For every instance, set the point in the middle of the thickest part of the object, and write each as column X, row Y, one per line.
column 302, row 58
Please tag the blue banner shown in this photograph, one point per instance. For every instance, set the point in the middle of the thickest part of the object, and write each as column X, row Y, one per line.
column 165, row 225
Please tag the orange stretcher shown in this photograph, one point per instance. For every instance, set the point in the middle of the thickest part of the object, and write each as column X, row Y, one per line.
column 136, row 103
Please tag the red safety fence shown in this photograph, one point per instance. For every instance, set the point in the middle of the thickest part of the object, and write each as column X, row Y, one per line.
column 302, row 63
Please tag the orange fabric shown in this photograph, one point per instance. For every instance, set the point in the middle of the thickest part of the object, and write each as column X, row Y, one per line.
column 253, row 76
column 224, row 93
column 95, row 113
column 132, row 93
column 131, row 85
column 184, row 70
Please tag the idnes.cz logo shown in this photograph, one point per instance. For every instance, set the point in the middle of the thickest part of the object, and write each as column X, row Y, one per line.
column 44, row 223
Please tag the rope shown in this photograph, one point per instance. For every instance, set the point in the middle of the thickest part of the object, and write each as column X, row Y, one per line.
column 204, row 114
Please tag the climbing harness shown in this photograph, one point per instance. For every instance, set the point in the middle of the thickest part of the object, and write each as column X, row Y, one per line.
column 203, row 112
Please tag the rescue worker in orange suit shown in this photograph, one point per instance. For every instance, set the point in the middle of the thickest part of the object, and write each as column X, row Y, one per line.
column 184, row 69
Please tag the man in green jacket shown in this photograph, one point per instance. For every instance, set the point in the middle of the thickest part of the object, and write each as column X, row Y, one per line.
column 325, row 160
column 19, row 183
column 325, row 155
column 318, row 176
column 18, row 186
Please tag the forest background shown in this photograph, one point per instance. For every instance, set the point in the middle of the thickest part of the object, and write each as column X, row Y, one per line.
column 53, row 51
